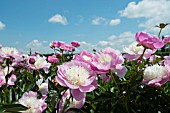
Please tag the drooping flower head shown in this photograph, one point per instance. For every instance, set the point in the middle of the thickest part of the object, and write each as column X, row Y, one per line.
column 149, row 41
column 109, row 59
column 30, row 100
column 156, row 75
column 78, row 76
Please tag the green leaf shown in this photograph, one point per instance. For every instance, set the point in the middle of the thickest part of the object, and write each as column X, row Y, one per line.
column 12, row 108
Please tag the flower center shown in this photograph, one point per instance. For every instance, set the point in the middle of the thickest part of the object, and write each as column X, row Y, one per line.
column 135, row 48
column 77, row 75
column 104, row 58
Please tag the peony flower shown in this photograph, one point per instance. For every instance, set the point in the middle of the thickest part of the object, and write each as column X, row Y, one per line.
column 73, row 103
column 52, row 59
column 134, row 52
column 109, row 59
column 30, row 100
column 7, row 52
column 56, row 44
column 67, row 47
column 155, row 75
column 39, row 63
column 167, row 40
column 75, row 43
column 78, row 76
column 149, row 41
column 84, row 56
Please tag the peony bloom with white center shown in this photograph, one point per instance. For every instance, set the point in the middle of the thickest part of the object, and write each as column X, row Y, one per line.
column 84, row 56
column 155, row 75
column 78, row 76
column 134, row 52
column 7, row 52
column 39, row 63
column 30, row 100
column 73, row 103
column 109, row 59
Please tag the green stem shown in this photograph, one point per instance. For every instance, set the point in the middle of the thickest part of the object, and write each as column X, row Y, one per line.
column 160, row 32
column 115, row 82
column 126, row 105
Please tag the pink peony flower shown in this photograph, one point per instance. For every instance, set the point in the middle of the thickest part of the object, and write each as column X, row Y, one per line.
column 149, row 41
column 73, row 103
column 40, row 63
column 134, row 52
column 78, row 76
column 156, row 75
column 67, row 47
column 167, row 40
column 30, row 100
column 109, row 59
column 52, row 59
column 75, row 43
column 84, row 56
column 56, row 44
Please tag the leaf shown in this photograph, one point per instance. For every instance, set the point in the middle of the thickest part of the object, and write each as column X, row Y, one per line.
column 12, row 108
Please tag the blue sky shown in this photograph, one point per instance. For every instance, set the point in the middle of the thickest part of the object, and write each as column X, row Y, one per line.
column 96, row 24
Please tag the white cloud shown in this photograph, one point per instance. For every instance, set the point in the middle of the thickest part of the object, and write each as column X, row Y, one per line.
column 98, row 21
column 39, row 46
column 114, row 22
column 115, row 42
column 2, row 25
column 58, row 19
column 154, row 12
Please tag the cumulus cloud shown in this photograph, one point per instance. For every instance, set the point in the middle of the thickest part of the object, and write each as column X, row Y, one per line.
column 114, row 22
column 114, row 41
column 58, row 19
column 39, row 46
column 98, row 21
column 2, row 25
column 154, row 12
column 105, row 21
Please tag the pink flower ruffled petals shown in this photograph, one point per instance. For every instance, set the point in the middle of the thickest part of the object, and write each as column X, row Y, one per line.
column 52, row 59
column 109, row 59
column 166, row 40
column 156, row 75
column 149, row 41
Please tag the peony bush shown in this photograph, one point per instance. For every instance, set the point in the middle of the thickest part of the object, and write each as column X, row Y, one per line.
column 107, row 80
